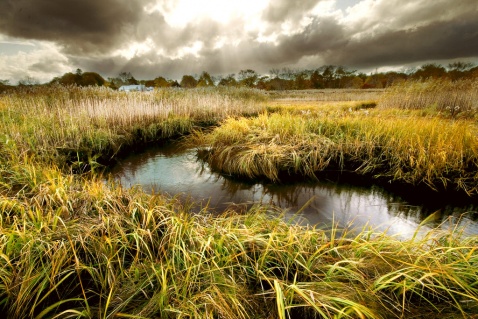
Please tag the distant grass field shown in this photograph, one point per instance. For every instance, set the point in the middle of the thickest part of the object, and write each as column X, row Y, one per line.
column 73, row 246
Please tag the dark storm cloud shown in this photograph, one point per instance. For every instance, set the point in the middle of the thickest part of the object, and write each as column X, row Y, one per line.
column 457, row 38
column 79, row 26
column 320, row 36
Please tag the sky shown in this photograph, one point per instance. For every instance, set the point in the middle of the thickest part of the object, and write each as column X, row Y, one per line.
column 150, row 38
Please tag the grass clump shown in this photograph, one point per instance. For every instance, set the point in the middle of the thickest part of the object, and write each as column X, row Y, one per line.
column 383, row 144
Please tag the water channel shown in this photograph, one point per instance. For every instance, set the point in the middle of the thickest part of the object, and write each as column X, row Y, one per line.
column 177, row 171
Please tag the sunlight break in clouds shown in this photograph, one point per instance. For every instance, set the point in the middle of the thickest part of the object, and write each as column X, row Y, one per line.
column 180, row 13
column 137, row 49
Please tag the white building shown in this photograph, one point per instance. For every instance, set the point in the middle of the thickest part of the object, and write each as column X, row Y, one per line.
column 138, row 88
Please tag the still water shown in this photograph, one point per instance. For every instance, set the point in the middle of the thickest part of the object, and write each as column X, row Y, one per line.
column 172, row 171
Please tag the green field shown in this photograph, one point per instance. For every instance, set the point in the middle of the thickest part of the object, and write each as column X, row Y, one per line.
column 73, row 246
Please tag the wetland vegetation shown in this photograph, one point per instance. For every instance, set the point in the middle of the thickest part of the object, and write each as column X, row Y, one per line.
column 73, row 246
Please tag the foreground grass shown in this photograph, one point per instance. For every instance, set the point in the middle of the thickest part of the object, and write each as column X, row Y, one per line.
column 82, row 249
column 73, row 246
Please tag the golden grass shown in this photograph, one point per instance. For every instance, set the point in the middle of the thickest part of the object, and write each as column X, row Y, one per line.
column 398, row 146
column 449, row 98
column 83, row 249
column 329, row 95
column 78, row 125
column 73, row 246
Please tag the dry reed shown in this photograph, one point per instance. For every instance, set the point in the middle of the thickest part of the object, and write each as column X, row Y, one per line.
column 451, row 98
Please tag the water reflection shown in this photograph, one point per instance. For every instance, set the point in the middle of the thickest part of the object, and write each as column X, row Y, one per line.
column 173, row 171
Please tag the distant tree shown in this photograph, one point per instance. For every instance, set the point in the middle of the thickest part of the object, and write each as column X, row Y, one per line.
column 460, row 66
column 394, row 77
column 275, row 73
column 354, row 82
column 248, row 77
column 66, row 79
column 229, row 80
column 91, row 79
column 80, row 79
column 205, row 80
column 431, row 70
column 458, row 70
column 302, row 81
column 277, row 84
column 123, row 78
column 188, row 81
column 127, row 78
column 263, row 83
column 175, row 84
column 316, row 80
column 159, row 82
column 343, row 76
column 328, row 75
column 113, row 83
column 375, row 81
column 287, row 74
column 4, row 85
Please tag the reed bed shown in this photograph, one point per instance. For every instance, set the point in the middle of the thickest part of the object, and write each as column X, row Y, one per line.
column 75, row 246
column 399, row 147
column 450, row 98
column 328, row 95
column 72, row 124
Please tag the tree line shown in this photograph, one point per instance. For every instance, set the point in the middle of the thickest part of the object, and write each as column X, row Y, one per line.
column 327, row 76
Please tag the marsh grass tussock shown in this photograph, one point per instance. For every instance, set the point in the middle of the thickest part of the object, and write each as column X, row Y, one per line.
column 75, row 246
column 405, row 147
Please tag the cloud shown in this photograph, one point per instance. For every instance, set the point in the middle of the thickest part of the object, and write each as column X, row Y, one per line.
column 437, row 40
column 279, row 11
column 43, row 63
column 81, row 27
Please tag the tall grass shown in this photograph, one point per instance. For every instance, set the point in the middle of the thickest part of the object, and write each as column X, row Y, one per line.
column 99, row 251
column 328, row 95
column 73, row 246
column 451, row 98
column 74, row 124
column 399, row 147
